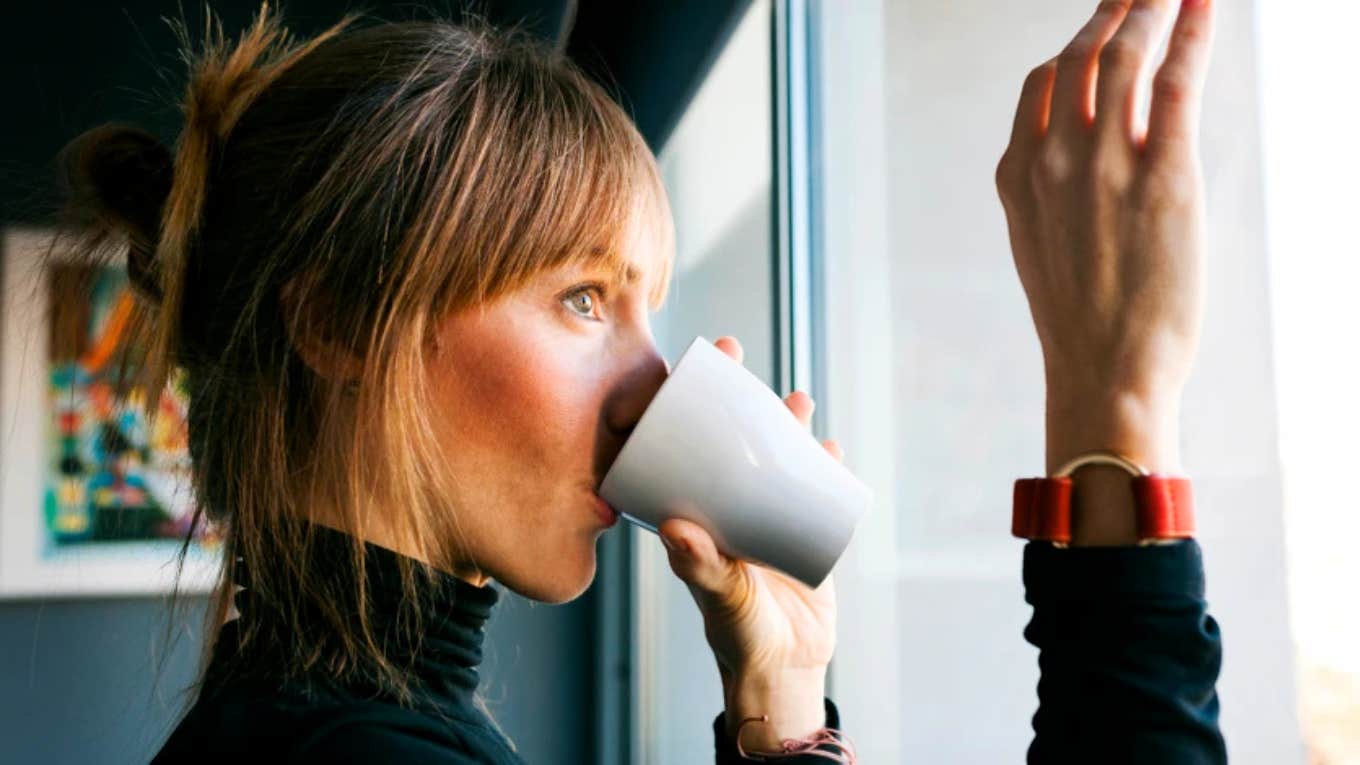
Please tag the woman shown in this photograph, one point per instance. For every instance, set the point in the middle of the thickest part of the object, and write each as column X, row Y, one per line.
column 407, row 270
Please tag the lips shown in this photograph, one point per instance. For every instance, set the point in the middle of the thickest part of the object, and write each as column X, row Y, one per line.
column 608, row 515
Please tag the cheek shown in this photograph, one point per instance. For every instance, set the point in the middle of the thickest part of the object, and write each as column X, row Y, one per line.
column 520, row 407
column 537, row 407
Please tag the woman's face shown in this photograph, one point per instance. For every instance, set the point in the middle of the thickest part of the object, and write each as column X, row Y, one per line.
column 536, row 393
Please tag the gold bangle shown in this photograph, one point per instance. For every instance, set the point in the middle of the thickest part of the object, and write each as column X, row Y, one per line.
column 1113, row 459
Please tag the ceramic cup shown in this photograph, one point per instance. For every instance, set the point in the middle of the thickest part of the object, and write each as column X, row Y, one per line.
column 716, row 446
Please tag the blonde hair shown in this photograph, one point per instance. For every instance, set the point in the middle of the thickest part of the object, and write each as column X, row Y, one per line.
column 347, row 191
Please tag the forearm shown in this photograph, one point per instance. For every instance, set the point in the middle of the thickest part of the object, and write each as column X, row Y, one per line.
column 1128, row 654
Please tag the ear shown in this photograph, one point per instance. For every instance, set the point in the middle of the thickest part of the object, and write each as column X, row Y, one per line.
column 309, row 319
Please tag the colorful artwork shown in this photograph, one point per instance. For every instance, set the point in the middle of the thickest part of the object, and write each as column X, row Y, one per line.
column 113, row 474
column 95, row 496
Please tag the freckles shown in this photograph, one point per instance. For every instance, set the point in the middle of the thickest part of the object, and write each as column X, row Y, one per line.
column 503, row 386
column 527, row 395
column 546, row 403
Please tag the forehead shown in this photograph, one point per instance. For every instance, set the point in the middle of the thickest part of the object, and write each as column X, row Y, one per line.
column 643, row 257
column 633, row 269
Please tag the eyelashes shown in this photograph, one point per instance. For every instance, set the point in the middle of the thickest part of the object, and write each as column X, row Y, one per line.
column 594, row 294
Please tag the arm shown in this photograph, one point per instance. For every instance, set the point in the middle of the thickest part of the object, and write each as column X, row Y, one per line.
column 1128, row 655
column 1107, row 228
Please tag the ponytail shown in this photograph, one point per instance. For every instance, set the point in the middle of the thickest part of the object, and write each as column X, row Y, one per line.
column 117, row 180
column 125, row 189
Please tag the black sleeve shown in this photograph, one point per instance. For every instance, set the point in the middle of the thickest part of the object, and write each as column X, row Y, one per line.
column 1128, row 655
column 726, row 748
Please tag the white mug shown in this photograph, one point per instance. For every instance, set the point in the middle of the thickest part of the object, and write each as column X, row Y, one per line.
column 717, row 447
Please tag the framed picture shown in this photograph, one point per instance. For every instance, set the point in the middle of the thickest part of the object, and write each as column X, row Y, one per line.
column 94, row 494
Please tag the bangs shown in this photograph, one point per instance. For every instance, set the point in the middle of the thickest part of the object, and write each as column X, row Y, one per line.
column 647, row 227
column 564, row 179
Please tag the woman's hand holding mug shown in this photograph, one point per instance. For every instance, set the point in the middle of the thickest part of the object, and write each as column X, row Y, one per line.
column 1107, row 227
column 772, row 635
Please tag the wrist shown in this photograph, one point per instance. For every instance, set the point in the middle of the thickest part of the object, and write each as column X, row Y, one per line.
column 1143, row 426
column 1140, row 425
column 792, row 698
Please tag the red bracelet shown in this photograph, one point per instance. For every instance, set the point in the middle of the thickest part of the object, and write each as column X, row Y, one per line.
column 1042, row 508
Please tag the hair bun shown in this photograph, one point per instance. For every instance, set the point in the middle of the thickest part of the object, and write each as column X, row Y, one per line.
column 118, row 179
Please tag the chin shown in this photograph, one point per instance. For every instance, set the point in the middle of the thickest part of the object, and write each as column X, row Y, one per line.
column 561, row 581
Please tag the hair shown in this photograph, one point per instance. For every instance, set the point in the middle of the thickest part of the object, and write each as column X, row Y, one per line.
column 341, row 194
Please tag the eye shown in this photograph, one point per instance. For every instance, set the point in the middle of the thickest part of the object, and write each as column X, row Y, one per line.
column 582, row 301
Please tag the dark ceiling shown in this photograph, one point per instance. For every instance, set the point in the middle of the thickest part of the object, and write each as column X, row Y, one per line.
column 67, row 66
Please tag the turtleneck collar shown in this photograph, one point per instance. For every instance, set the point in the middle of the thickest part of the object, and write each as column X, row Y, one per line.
column 449, row 649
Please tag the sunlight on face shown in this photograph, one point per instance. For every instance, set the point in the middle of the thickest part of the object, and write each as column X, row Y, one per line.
column 536, row 393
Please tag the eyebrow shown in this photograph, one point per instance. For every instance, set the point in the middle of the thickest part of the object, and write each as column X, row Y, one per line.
column 611, row 260
column 624, row 274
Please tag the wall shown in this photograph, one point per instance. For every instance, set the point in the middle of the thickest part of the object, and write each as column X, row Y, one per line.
column 76, row 678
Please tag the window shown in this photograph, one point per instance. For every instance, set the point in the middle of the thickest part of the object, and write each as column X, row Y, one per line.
column 833, row 190
column 717, row 169
column 934, row 380
column 1310, row 120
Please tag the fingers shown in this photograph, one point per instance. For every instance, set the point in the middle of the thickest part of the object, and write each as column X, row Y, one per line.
column 1073, row 84
column 798, row 402
column 1177, row 90
column 1122, row 62
column 1031, row 116
column 802, row 406
column 729, row 345
column 695, row 559
column 834, row 447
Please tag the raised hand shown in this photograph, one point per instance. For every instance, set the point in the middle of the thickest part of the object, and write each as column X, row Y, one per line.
column 1107, row 228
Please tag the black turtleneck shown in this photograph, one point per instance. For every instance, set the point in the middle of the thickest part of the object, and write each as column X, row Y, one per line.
column 250, row 707
column 1128, row 653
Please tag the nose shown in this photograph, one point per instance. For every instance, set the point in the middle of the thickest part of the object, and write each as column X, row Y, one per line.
column 634, row 390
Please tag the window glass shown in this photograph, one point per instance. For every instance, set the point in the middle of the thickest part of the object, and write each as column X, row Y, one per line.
column 717, row 169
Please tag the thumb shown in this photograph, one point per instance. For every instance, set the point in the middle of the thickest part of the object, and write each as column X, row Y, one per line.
column 696, row 560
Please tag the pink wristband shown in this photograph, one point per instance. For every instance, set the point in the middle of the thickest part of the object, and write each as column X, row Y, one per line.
column 842, row 750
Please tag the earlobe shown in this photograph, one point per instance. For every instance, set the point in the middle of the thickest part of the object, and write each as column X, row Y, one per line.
column 308, row 318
